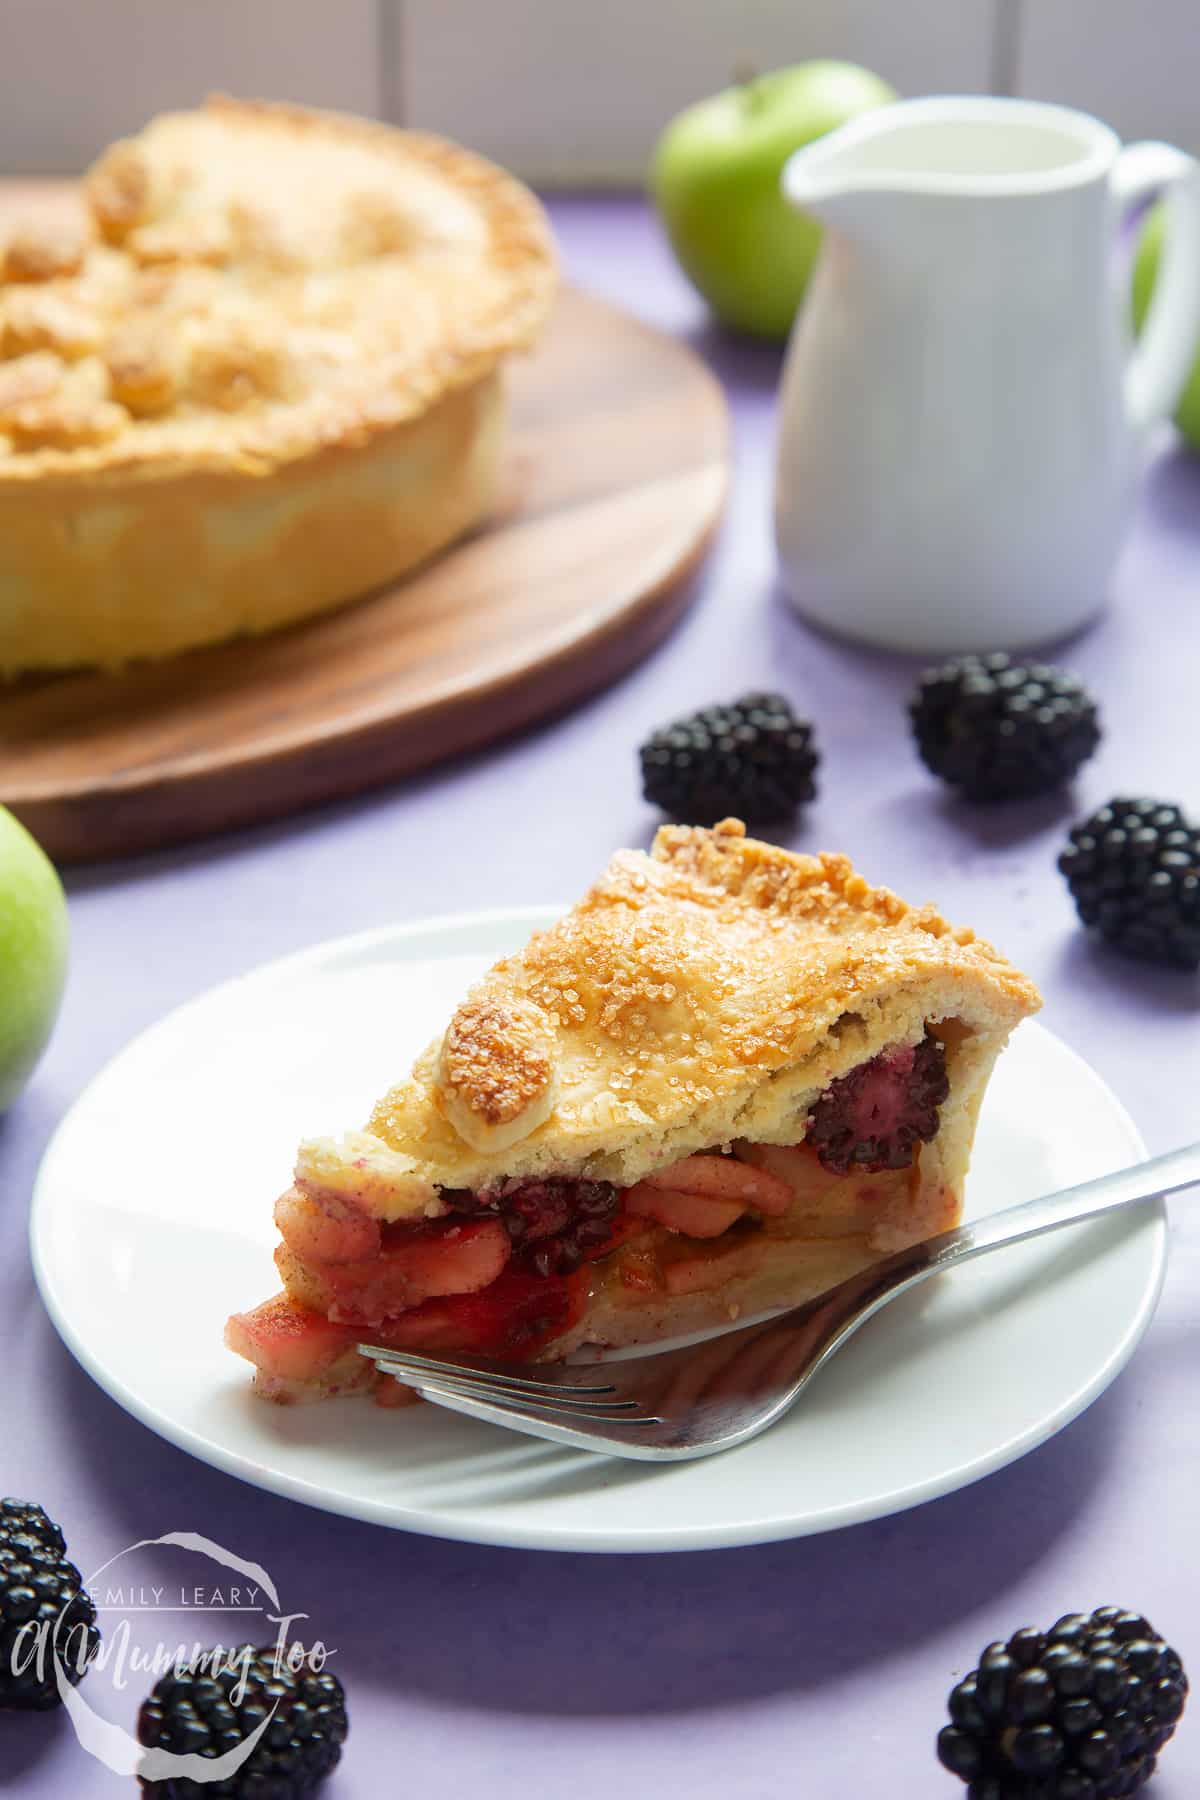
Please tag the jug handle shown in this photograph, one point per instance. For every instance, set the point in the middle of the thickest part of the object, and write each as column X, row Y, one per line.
column 1159, row 367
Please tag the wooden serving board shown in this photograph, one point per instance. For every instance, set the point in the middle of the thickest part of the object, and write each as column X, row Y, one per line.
column 616, row 476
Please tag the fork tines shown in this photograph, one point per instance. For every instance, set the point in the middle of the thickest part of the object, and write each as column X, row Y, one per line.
column 595, row 1399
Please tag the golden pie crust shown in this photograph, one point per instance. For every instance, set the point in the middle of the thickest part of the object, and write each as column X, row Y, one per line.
column 707, row 991
column 698, row 998
column 257, row 373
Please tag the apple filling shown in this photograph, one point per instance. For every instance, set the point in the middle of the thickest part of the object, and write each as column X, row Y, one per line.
column 505, row 1270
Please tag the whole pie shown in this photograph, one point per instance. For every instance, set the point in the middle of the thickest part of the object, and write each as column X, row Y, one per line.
column 727, row 1079
column 254, row 373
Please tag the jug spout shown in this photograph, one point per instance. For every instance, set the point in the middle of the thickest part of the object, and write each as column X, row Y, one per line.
column 969, row 146
column 817, row 180
column 838, row 178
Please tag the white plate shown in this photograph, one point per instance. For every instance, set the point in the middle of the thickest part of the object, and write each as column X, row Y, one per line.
column 152, row 1221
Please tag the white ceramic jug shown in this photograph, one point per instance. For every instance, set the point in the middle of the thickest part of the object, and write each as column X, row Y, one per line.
column 961, row 419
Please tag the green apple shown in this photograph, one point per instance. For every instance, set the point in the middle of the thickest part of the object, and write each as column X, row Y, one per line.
column 715, row 179
column 1145, row 273
column 33, row 954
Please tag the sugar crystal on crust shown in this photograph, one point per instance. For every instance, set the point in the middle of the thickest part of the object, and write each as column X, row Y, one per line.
column 689, row 998
column 495, row 1074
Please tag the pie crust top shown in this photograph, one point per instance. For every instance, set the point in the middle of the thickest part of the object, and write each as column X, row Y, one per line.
column 250, row 283
column 707, row 991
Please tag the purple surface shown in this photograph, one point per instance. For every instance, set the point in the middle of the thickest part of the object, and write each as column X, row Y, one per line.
column 813, row 1668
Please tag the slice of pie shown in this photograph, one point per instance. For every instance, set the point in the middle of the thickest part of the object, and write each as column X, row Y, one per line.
column 251, row 370
column 730, row 1077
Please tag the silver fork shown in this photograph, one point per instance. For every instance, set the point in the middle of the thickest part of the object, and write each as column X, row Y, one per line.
column 672, row 1405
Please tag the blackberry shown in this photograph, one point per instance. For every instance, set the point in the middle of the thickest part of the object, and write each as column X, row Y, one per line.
column 194, row 1711
column 1079, row 1712
column 874, row 1117
column 554, row 1221
column 22, row 1518
column 1133, row 869
column 999, row 730
column 46, row 1614
column 753, row 760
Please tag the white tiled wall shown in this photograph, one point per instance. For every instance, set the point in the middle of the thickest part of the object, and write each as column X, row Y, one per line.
column 1138, row 66
column 563, row 90
column 578, row 90
column 74, row 74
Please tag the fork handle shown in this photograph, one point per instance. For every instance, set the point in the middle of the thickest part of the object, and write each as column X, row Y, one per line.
column 1108, row 1193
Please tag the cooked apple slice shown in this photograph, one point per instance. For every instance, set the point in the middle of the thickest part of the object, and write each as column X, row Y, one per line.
column 826, row 1205
column 437, row 1325
column 287, row 1341
column 326, row 1230
column 725, row 1178
column 695, row 1274
column 794, row 1165
column 418, row 1266
column 510, row 1318
column 695, row 1215
column 460, row 1259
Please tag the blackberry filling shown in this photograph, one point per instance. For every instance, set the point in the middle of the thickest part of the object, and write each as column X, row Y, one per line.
column 871, row 1120
column 875, row 1117
column 555, row 1222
